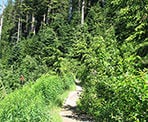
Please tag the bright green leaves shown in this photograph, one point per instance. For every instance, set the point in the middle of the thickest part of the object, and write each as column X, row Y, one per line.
column 34, row 101
column 124, row 11
column 133, row 98
column 101, row 53
column 129, row 17
column 114, row 89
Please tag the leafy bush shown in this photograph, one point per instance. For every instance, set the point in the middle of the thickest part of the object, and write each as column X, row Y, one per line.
column 122, row 98
column 130, row 100
column 114, row 87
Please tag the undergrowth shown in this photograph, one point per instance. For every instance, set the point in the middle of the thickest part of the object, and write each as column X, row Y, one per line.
column 35, row 101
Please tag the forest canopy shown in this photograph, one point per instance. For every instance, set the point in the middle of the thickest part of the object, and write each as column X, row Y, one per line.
column 103, row 43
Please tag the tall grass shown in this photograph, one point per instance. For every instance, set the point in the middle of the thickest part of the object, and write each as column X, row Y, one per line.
column 33, row 102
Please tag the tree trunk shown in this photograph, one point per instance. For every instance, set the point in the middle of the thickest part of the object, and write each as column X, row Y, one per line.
column 1, row 25
column 44, row 18
column 82, row 16
column 33, row 24
column 1, row 20
column 47, row 16
column 70, row 11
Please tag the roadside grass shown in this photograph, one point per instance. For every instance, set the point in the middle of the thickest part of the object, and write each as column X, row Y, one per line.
column 37, row 102
column 56, row 107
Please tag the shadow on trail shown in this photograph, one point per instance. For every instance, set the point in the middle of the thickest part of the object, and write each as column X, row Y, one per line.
column 69, row 112
column 82, row 117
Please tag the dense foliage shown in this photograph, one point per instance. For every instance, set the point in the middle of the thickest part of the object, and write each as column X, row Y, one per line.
column 108, row 53
column 115, row 89
column 34, row 101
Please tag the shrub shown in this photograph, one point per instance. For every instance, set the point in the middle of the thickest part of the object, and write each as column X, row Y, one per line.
column 122, row 98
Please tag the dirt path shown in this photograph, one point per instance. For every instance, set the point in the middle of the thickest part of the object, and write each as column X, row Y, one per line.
column 68, row 112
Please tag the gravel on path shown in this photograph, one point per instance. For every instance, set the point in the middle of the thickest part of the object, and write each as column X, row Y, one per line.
column 68, row 111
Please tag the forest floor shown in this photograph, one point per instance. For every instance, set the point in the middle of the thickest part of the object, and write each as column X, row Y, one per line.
column 68, row 112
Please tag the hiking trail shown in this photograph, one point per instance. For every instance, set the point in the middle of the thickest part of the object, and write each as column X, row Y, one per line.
column 68, row 111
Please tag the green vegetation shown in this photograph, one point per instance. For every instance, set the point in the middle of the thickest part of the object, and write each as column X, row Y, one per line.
column 35, row 101
column 107, row 50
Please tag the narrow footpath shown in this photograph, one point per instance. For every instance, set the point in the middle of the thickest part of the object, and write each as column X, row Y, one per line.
column 68, row 112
